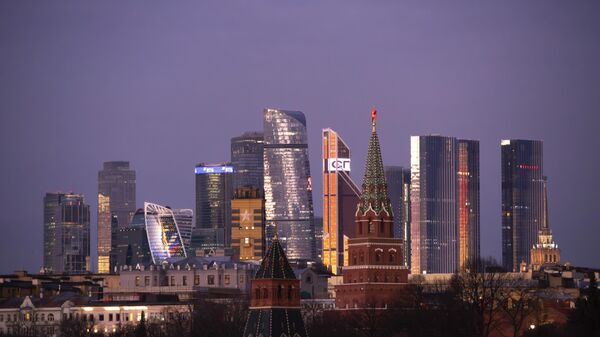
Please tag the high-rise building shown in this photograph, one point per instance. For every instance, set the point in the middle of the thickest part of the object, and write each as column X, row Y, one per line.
column 213, row 207
column 522, row 199
column 275, row 298
column 132, row 242
column 247, row 223
column 116, row 206
column 340, row 197
column 164, row 238
column 545, row 251
column 375, row 274
column 247, row 160
column 468, row 202
column 288, row 183
column 398, row 182
column 444, row 202
column 185, row 220
column 66, row 233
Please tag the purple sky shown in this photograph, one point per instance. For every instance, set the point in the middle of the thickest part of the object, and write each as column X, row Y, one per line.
column 166, row 86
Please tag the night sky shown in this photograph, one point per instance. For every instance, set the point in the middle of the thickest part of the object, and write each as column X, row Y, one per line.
column 166, row 86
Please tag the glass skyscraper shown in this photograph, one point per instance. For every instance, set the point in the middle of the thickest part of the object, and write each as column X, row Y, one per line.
column 522, row 199
column 340, row 197
column 116, row 206
column 66, row 233
column 398, row 181
column 132, row 242
column 468, row 202
column 247, row 160
column 288, row 183
column 213, row 207
column 185, row 219
column 164, row 238
column 444, row 203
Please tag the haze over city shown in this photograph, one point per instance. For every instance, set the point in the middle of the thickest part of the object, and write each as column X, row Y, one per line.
column 165, row 87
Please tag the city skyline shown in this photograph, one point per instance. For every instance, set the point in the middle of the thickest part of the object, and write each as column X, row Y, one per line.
column 62, row 86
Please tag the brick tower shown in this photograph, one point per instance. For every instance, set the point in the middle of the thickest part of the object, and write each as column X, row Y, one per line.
column 374, row 276
column 275, row 298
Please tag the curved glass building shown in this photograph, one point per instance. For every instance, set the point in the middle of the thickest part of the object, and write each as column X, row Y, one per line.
column 163, row 236
column 288, row 183
column 247, row 160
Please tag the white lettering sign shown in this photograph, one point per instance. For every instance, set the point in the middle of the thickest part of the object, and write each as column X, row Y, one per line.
column 338, row 164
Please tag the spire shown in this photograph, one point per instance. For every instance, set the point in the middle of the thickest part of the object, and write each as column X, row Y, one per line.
column 374, row 187
column 275, row 264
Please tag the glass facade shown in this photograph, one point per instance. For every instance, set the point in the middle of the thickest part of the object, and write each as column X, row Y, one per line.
column 213, row 207
column 247, row 160
column 164, row 238
column 132, row 242
column 398, row 182
column 522, row 199
column 434, row 204
column 468, row 201
column 184, row 218
column 288, row 183
column 340, row 197
column 66, row 233
column 116, row 206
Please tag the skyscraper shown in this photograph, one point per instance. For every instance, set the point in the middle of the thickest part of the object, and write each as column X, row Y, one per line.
column 545, row 251
column 213, row 206
column 522, row 199
column 132, row 242
column 116, row 206
column 66, row 233
column 468, row 202
column 340, row 197
column 247, row 160
column 398, row 181
column 164, row 238
column 288, row 183
column 437, row 167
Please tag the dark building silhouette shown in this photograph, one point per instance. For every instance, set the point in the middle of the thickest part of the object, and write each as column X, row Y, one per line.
column 275, row 298
column 398, row 182
column 247, row 160
column 468, row 202
column 66, row 233
column 132, row 243
column 522, row 199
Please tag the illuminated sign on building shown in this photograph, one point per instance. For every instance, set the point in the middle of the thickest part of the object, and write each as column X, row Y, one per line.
column 338, row 164
column 213, row 169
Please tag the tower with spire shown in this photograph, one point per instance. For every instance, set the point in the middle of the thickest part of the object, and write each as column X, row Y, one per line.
column 375, row 276
column 546, row 251
column 275, row 298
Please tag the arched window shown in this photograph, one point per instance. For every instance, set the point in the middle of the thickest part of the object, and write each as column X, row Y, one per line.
column 50, row 317
column 257, row 293
column 279, row 291
column 354, row 259
column 392, row 257
column 371, row 227
column 265, row 293
column 290, row 292
column 397, row 278
column 361, row 256
column 381, row 227
column 377, row 257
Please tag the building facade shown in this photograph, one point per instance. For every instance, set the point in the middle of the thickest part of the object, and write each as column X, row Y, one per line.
column 248, row 224
column 213, row 207
column 340, row 197
column 288, row 183
column 116, row 206
column 444, row 199
column 247, row 160
column 375, row 275
column 132, row 242
column 164, row 238
column 66, row 233
column 545, row 252
column 184, row 218
column 275, row 308
column 398, row 182
column 522, row 199
column 468, row 203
